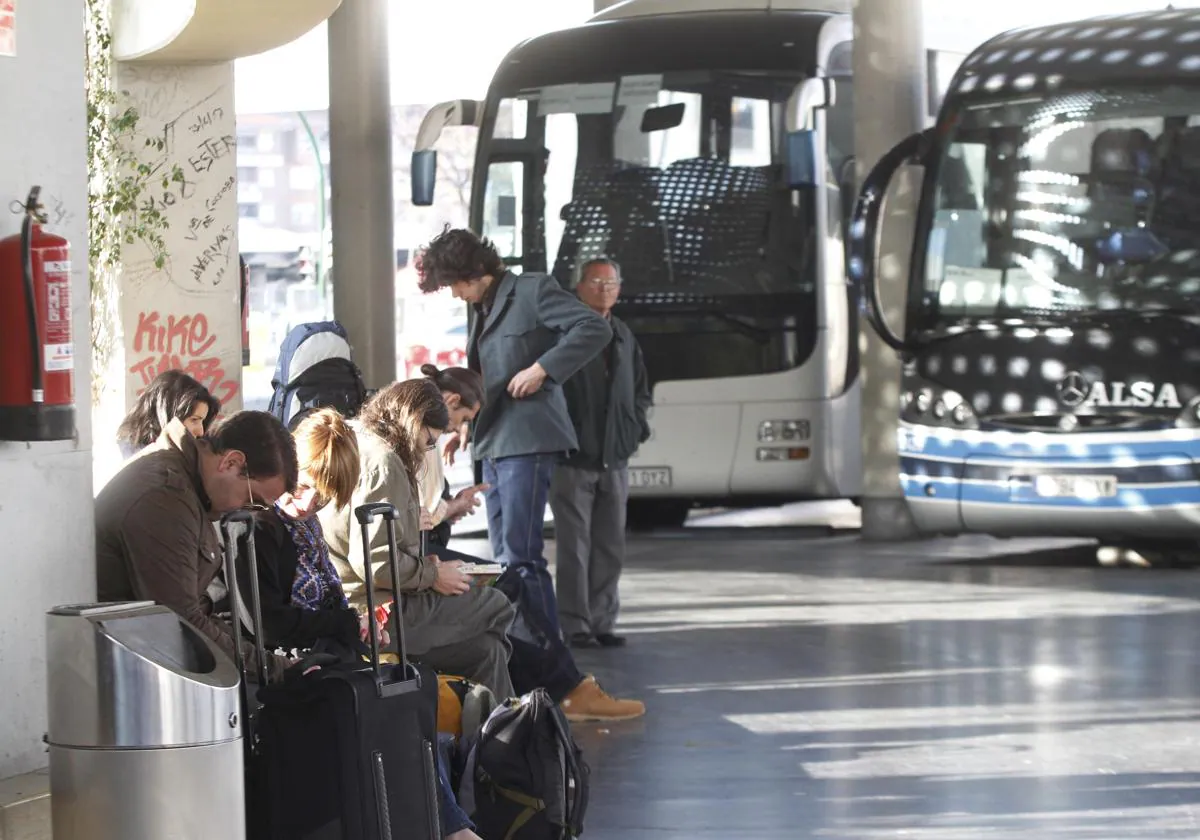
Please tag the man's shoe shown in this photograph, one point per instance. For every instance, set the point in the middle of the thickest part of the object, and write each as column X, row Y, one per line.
column 610, row 640
column 590, row 702
column 584, row 640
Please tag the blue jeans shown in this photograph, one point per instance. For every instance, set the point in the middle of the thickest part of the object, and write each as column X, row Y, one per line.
column 516, row 509
column 454, row 819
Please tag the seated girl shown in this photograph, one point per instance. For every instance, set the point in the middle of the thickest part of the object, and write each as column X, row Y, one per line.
column 450, row 625
column 170, row 395
column 303, row 604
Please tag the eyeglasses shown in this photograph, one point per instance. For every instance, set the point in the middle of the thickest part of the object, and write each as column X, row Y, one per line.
column 602, row 283
column 252, row 505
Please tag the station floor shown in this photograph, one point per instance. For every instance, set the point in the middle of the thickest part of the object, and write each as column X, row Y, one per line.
column 803, row 684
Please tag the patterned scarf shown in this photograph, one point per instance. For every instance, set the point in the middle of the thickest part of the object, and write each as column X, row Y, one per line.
column 316, row 585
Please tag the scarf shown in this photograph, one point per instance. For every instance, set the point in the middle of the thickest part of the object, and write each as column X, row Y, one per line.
column 316, row 584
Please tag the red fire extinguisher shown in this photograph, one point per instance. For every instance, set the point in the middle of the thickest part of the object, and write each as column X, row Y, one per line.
column 37, row 363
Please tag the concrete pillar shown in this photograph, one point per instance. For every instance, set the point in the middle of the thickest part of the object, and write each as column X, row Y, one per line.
column 360, row 157
column 889, row 105
column 187, row 314
column 45, row 488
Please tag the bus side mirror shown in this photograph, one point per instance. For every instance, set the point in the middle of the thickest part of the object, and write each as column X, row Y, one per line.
column 802, row 159
column 424, row 177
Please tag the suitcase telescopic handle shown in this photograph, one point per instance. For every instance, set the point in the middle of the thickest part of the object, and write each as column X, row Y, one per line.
column 234, row 525
column 366, row 514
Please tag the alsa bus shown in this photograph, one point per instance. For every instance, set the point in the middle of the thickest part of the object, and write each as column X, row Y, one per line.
column 1051, row 343
column 708, row 152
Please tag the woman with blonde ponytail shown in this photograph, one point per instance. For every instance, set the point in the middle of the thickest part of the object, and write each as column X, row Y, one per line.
column 303, row 603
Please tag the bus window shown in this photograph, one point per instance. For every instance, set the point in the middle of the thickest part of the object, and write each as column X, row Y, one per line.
column 562, row 144
column 512, row 119
column 503, row 205
column 751, row 141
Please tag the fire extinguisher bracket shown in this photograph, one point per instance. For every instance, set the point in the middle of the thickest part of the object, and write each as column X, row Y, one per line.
column 37, row 364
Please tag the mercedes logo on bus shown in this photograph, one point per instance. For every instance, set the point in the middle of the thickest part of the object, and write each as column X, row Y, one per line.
column 1073, row 389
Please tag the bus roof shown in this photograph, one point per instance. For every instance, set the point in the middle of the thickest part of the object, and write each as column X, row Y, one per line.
column 1159, row 47
column 643, row 8
column 784, row 42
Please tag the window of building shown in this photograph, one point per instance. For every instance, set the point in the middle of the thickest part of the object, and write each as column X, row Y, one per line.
column 304, row 215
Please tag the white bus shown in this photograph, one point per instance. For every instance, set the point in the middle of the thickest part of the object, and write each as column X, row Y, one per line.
column 709, row 152
column 1053, row 311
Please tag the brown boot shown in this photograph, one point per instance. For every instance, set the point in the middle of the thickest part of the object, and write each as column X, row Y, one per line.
column 590, row 702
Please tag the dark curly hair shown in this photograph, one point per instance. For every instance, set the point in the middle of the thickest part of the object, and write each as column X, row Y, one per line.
column 456, row 254
column 170, row 395
column 455, row 380
column 400, row 413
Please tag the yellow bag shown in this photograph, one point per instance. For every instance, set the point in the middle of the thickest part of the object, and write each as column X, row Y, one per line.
column 463, row 706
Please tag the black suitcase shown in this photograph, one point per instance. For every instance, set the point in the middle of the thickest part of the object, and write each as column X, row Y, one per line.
column 346, row 752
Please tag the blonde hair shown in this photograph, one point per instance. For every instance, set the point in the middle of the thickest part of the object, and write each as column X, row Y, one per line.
column 327, row 450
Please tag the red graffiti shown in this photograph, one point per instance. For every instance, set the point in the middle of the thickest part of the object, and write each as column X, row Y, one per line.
column 186, row 335
column 180, row 344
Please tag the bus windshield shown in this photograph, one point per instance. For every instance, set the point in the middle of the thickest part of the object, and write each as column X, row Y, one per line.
column 679, row 178
column 1045, row 210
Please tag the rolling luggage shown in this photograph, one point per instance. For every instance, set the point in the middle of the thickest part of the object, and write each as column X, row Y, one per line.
column 345, row 752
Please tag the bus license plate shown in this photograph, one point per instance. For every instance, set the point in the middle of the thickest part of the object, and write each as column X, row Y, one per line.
column 649, row 478
column 1076, row 486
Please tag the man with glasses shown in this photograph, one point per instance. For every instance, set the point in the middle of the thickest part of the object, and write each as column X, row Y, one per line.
column 155, row 539
column 608, row 400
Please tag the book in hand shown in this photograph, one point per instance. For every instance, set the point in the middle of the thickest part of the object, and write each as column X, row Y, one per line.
column 482, row 569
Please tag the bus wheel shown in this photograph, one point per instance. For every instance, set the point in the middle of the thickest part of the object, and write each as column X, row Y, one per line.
column 650, row 514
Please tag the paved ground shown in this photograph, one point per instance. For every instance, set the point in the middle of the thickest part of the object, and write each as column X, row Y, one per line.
column 806, row 687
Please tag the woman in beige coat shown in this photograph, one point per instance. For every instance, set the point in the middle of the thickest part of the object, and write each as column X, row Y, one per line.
column 450, row 625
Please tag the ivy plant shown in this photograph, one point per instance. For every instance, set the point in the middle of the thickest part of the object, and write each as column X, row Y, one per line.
column 121, row 209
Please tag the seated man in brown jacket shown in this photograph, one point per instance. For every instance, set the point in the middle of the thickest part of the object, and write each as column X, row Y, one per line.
column 154, row 535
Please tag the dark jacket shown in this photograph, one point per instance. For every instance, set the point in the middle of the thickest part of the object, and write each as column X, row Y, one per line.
column 531, row 319
column 155, row 539
column 287, row 626
column 608, row 400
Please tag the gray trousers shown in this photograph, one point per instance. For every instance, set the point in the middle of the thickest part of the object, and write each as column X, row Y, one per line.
column 464, row 635
column 589, row 527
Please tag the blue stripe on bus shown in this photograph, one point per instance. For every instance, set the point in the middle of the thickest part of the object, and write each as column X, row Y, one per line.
column 952, row 490
column 927, row 442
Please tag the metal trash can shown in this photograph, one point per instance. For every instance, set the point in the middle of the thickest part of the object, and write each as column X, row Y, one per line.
column 145, row 733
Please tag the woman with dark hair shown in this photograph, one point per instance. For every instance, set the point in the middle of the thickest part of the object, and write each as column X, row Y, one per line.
column 462, row 391
column 450, row 625
column 171, row 395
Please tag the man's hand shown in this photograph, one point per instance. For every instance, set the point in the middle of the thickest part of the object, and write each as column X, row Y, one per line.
column 464, row 503
column 456, row 442
column 450, row 580
column 528, row 382
column 453, row 444
column 426, row 520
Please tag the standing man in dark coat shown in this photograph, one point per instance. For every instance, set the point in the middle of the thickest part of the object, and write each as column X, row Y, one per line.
column 608, row 400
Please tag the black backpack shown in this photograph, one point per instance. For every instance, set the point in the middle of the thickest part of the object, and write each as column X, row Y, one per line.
column 315, row 370
column 525, row 778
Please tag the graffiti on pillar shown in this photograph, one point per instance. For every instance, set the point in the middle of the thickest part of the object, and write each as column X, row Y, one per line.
column 180, row 342
column 188, row 113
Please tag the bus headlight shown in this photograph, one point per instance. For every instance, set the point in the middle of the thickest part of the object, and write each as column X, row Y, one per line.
column 933, row 406
column 1189, row 418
